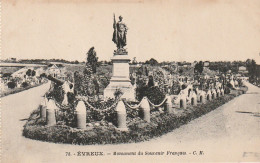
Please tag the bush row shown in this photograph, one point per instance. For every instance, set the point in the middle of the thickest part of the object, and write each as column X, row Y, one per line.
column 17, row 90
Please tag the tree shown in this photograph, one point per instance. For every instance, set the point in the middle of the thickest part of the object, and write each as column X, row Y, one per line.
column 11, row 84
column 252, row 69
column 146, row 71
column 199, row 67
column 152, row 62
column 33, row 73
column 150, row 82
column 29, row 72
column 92, row 59
column 180, row 71
column 134, row 62
column 7, row 75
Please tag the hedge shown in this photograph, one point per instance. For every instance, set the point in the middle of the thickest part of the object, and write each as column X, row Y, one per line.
column 106, row 133
column 17, row 90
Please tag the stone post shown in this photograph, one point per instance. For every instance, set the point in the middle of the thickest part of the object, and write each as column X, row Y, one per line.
column 50, row 114
column 168, row 105
column 202, row 99
column 146, row 109
column 213, row 95
column 81, row 115
column 183, row 102
column 194, row 99
column 121, row 116
column 222, row 92
column 43, row 107
column 218, row 93
column 209, row 96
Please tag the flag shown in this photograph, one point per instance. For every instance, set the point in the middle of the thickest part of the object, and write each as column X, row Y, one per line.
column 115, row 40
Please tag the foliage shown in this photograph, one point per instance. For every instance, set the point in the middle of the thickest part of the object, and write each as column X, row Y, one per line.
column 100, row 114
column 175, row 89
column 88, row 85
column 150, row 81
column 150, row 94
column 11, row 84
column 66, row 116
column 199, row 67
column 6, row 75
column 30, row 72
column 33, row 73
column 118, row 92
column 92, row 59
column 142, row 71
column 152, row 62
column 57, row 93
column 180, row 71
column 24, row 84
column 252, row 69
column 134, row 62
column 16, row 90
column 78, row 87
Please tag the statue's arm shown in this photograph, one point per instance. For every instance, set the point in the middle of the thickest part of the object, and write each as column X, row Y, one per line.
column 126, row 28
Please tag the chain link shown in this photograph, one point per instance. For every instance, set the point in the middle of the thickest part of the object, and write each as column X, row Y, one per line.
column 158, row 104
column 132, row 107
column 98, row 110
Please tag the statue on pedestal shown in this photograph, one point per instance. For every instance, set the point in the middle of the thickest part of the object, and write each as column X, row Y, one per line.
column 119, row 36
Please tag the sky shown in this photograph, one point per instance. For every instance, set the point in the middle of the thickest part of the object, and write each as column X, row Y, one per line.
column 189, row 30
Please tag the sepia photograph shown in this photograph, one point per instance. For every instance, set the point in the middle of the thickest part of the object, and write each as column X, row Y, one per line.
column 129, row 81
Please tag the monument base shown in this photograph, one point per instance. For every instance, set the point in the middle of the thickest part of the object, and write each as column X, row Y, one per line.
column 125, row 87
column 120, row 79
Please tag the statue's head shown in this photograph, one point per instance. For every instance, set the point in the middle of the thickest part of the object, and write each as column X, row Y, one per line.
column 120, row 17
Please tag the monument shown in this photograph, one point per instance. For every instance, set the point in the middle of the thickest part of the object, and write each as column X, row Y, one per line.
column 120, row 79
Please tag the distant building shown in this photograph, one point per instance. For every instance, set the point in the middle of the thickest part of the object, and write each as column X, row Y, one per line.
column 39, row 71
column 194, row 63
column 57, row 71
column 10, row 60
column 206, row 64
column 242, row 70
column 136, row 65
column 184, row 64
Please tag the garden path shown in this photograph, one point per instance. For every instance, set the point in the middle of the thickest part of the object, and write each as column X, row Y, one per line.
column 229, row 133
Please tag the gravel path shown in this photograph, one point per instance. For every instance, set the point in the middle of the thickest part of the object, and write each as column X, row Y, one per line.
column 229, row 133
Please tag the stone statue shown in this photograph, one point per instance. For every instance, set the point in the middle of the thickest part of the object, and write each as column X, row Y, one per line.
column 119, row 35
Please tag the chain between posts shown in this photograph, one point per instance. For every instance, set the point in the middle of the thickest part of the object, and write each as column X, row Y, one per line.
column 109, row 108
column 132, row 107
column 63, row 107
column 103, row 110
column 84, row 99
column 158, row 104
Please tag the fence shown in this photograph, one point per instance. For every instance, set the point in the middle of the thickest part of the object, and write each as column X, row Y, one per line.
column 48, row 107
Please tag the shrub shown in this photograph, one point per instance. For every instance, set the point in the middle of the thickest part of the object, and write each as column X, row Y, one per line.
column 98, row 114
column 11, row 85
column 118, row 92
column 57, row 93
column 67, row 116
column 150, row 94
column 24, row 84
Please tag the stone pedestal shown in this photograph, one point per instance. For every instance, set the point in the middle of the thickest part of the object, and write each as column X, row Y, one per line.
column 120, row 79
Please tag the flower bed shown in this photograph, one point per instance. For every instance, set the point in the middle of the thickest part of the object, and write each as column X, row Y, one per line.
column 106, row 133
